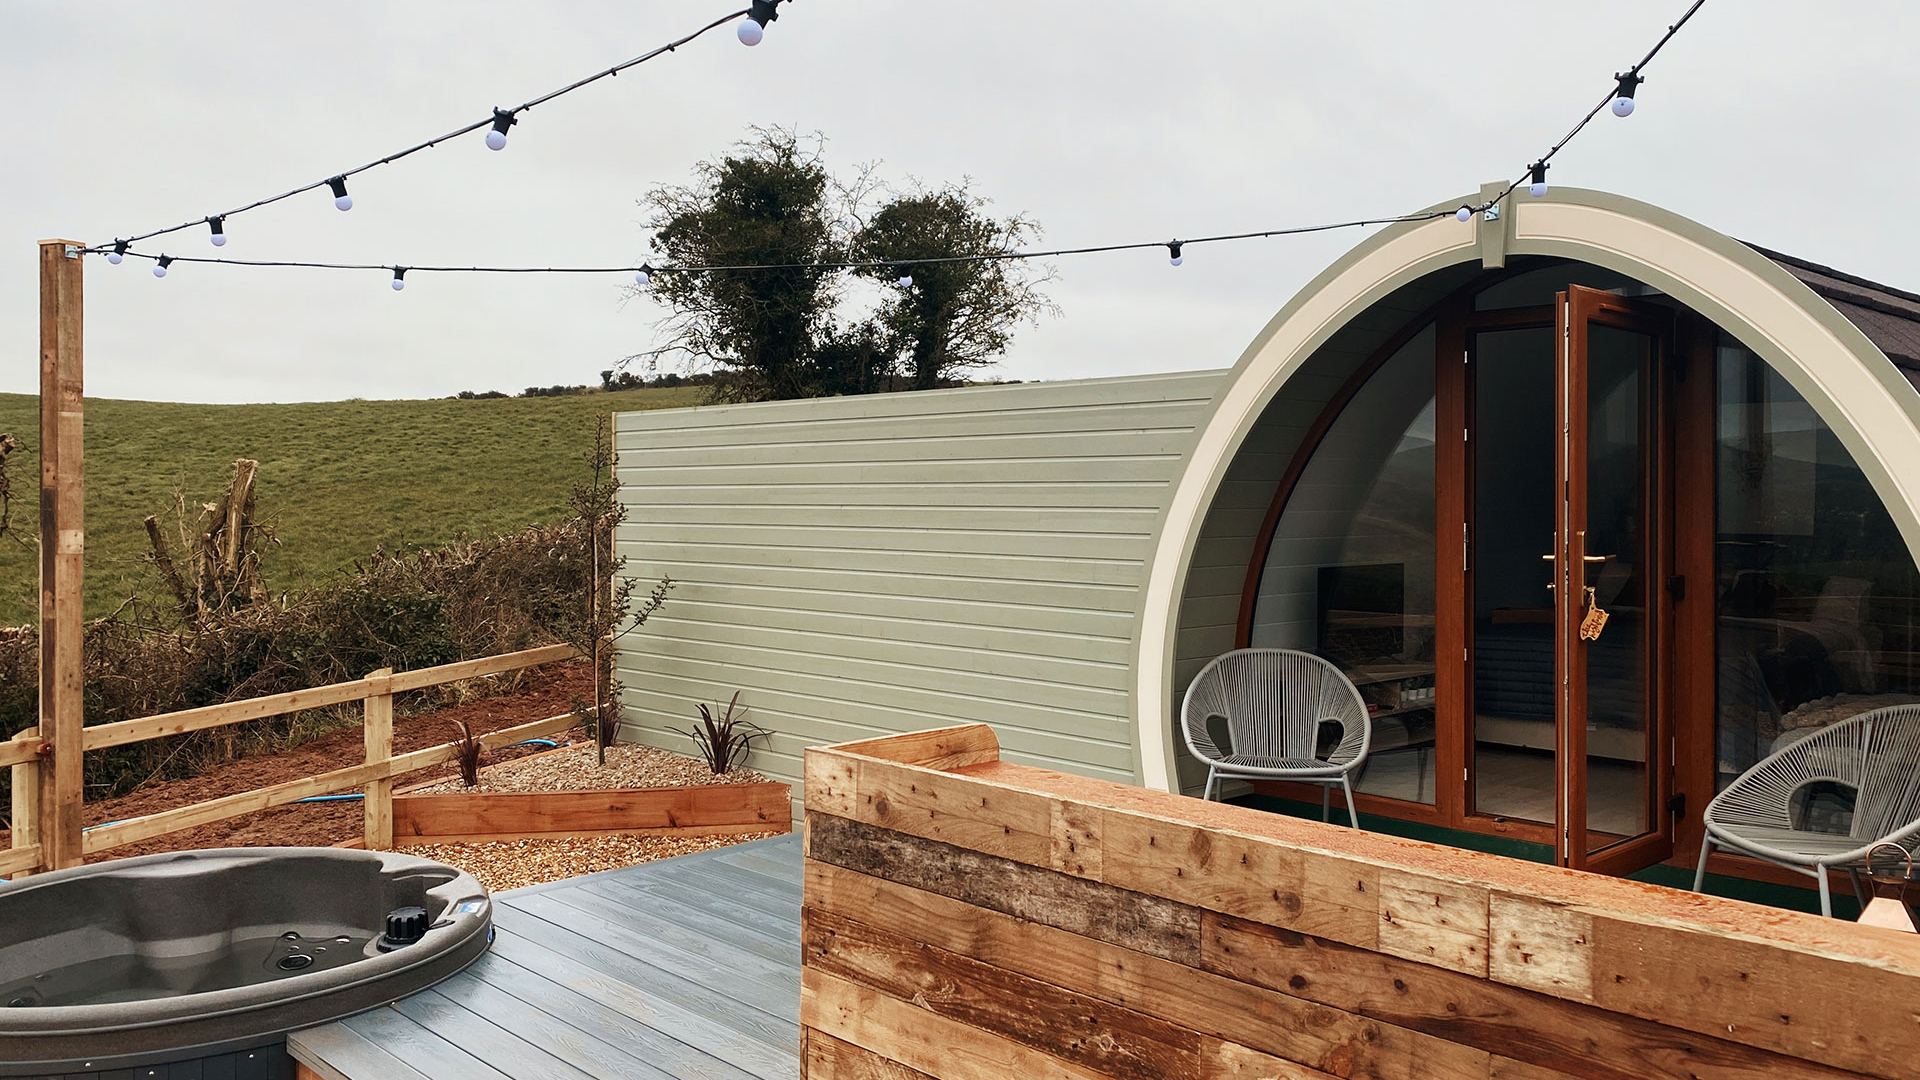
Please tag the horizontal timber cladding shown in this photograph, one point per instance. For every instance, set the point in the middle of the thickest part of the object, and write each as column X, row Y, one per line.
column 865, row 565
column 968, row 918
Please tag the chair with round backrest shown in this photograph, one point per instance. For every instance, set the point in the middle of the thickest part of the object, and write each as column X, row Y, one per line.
column 1875, row 754
column 1273, row 703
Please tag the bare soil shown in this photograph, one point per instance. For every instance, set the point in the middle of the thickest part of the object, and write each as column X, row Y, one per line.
column 543, row 692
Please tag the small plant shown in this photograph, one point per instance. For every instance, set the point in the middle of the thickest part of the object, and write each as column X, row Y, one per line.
column 467, row 751
column 726, row 740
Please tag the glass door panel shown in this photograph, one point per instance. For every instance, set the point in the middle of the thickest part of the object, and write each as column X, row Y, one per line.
column 1608, row 624
column 1514, row 500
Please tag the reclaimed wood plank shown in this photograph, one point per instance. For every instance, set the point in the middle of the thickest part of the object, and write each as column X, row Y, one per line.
column 924, row 1040
column 1089, row 908
column 1432, row 920
column 1109, row 1039
column 1526, row 1026
column 1540, row 946
column 1276, row 1023
column 425, row 816
column 936, row 748
column 828, row 1058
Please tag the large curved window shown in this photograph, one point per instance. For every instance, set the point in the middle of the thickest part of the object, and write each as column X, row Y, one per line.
column 1819, row 602
column 1349, row 574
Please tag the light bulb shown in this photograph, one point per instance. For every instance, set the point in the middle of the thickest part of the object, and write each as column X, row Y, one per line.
column 399, row 278
column 906, row 281
column 160, row 268
column 341, row 200
column 118, row 253
column 502, row 120
column 1174, row 258
column 219, row 226
column 1537, row 172
column 754, row 27
column 1465, row 213
column 1623, row 94
column 643, row 275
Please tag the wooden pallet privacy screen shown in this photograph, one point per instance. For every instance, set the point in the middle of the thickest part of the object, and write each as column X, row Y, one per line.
column 971, row 919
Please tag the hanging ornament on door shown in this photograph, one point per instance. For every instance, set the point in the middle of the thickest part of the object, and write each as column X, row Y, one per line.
column 1595, row 620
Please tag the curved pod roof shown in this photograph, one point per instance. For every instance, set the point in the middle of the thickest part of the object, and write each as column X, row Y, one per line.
column 1870, row 403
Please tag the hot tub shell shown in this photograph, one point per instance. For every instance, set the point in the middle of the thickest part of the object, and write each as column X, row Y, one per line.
column 173, row 923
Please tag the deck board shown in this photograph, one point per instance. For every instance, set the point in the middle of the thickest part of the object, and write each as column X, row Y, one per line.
column 683, row 969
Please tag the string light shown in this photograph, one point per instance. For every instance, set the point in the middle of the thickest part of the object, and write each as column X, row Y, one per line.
column 754, row 26
column 1623, row 96
column 502, row 120
column 218, row 224
column 338, row 182
column 758, row 15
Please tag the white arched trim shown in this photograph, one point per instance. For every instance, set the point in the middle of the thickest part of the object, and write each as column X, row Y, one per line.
column 1870, row 405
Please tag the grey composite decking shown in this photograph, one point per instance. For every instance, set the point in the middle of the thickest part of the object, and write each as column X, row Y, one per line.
column 686, row 968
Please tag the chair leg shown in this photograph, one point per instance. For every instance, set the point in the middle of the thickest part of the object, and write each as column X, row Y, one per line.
column 1353, row 816
column 1826, row 893
column 1700, row 872
column 1326, row 795
column 1213, row 777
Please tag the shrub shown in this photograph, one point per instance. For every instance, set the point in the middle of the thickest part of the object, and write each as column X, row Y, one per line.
column 725, row 741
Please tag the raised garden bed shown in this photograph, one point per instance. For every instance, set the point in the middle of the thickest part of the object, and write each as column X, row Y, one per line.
column 643, row 791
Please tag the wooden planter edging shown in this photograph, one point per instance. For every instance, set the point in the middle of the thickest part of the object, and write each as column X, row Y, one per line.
column 704, row 810
column 969, row 918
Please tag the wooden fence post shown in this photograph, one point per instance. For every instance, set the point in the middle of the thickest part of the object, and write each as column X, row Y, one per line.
column 62, row 543
column 24, row 821
column 378, row 732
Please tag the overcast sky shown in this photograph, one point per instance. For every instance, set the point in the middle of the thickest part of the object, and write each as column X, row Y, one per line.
column 1788, row 124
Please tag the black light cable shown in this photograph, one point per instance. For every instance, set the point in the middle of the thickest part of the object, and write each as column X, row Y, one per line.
column 760, row 13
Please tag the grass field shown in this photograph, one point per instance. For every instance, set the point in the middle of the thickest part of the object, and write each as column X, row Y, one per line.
column 337, row 479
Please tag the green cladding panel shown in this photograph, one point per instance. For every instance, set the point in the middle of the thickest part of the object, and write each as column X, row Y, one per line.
column 868, row 565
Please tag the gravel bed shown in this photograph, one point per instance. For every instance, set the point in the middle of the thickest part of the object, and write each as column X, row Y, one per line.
column 573, row 769
column 511, row 864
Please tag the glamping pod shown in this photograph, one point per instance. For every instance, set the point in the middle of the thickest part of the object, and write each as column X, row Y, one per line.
column 1597, row 508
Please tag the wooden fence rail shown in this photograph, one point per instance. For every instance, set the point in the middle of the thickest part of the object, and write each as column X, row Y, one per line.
column 27, row 753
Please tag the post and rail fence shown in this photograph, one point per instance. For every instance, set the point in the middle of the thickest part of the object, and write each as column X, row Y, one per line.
column 31, row 756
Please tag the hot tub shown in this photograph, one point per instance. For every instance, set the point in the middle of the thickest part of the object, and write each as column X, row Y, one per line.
column 151, row 964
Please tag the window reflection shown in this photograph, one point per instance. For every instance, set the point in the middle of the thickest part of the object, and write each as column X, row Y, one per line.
column 1350, row 571
column 1817, row 590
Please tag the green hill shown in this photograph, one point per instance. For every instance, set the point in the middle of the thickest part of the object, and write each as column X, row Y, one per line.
column 336, row 479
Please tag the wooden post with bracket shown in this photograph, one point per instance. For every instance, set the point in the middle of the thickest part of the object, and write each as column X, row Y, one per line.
column 58, row 817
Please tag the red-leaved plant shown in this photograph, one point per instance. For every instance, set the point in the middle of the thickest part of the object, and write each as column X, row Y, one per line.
column 726, row 740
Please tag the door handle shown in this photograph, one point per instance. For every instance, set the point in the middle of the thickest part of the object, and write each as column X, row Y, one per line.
column 1591, row 559
column 1555, row 560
